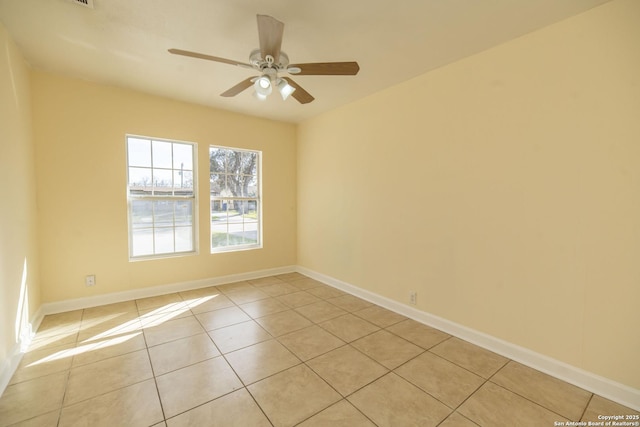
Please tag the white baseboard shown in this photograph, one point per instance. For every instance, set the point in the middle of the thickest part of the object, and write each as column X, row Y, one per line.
column 10, row 365
column 15, row 355
column 596, row 384
column 111, row 298
column 599, row 385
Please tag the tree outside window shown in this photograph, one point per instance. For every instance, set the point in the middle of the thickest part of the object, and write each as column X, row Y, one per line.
column 235, row 199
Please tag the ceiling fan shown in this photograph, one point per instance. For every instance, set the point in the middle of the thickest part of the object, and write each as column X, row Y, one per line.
column 269, row 60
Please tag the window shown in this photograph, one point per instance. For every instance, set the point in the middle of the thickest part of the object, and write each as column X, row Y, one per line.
column 161, row 197
column 235, row 199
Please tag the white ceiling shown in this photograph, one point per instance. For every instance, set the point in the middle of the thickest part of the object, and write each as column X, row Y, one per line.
column 125, row 42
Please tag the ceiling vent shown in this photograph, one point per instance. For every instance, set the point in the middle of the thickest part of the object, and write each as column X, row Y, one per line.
column 85, row 3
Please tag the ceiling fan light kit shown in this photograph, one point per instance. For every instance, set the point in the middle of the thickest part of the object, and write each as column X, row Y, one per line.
column 285, row 89
column 269, row 60
column 263, row 86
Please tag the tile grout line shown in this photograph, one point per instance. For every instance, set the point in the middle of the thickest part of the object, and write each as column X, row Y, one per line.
column 587, row 406
column 223, row 355
column 402, row 364
column 220, row 355
column 244, row 386
column 153, row 372
column 66, row 383
column 68, row 376
column 455, row 412
column 334, row 389
column 534, row 402
column 486, row 380
column 277, row 338
column 252, row 287
column 155, row 381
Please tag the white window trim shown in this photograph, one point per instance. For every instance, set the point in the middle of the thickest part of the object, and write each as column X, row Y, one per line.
column 131, row 197
column 236, row 248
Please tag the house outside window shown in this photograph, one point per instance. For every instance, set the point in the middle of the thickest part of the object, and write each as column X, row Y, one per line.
column 161, row 194
column 236, row 217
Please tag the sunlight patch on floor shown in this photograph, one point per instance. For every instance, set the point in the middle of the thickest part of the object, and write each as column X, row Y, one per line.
column 120, row 333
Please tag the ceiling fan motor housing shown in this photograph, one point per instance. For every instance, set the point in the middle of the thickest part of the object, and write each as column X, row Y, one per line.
column 260, row 63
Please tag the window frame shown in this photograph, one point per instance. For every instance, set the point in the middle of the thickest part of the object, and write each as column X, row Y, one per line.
column 163, row 197
column 257, row 198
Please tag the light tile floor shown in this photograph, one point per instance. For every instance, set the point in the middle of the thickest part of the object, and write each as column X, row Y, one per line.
column 278, row 351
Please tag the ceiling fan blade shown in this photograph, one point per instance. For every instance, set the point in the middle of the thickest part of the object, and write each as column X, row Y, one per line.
column 301, row 95
column 238, row 88
column 327, row 69
column 270, row 32
column 208, row 57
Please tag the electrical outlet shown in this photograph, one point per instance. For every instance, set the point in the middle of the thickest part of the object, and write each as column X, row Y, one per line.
column 413, row 297
column 90, row 280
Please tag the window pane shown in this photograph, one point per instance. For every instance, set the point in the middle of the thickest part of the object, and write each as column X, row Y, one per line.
column 184, row 213
column 183, row 157
column 249, row 163
column 218, row 211
column 142, row 242
column 140, row 181
column 233, row 177
column 139, row 152
column 165, row 224
column 141, row 214
column 251, row 233
column 163, row 213
column 164, row 240
column 236, row 233
column 234, row 216
column 183, row 183
column 162, row 154
column 240, row 208
column 217, row 159
column 253, row 208
column 162, row 178
column 242, row 184
column 184, row 239
column 162, row 181
column 233, row 160
column 252, row 186
column 230, row 186
column 218, row 235
column 216, row 182
column 251, row 217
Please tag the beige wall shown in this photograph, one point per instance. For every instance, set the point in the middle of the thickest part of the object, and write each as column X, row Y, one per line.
column 80, row 130
column 504, row 188
column 19, row 280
